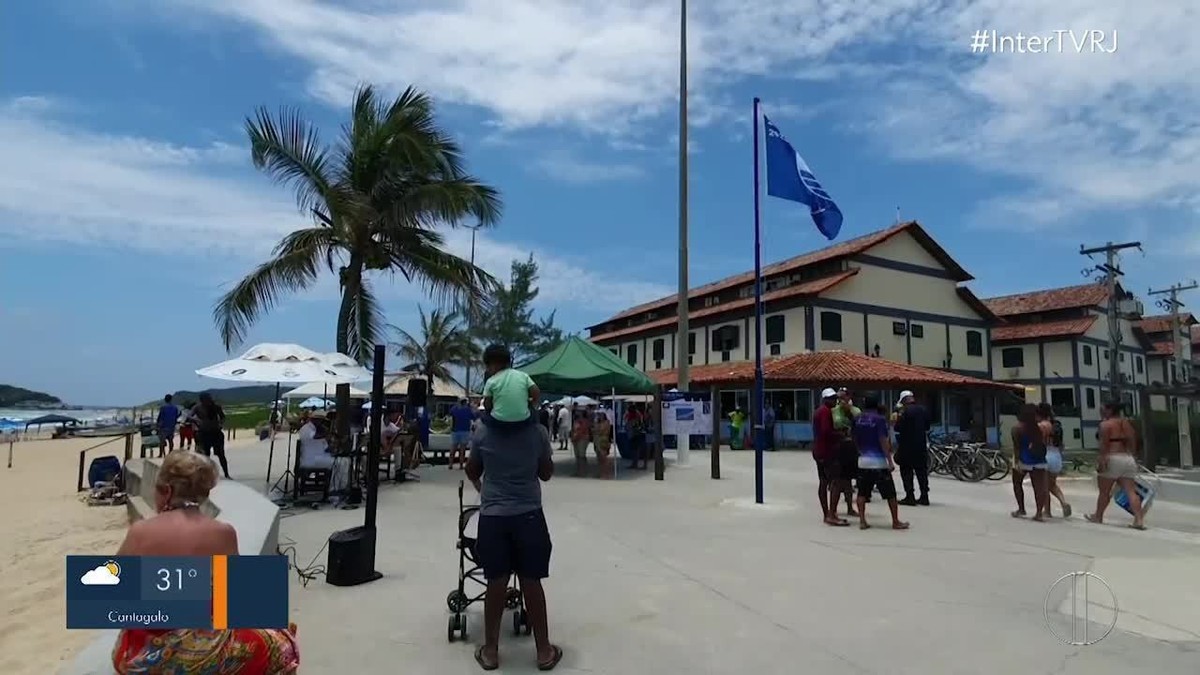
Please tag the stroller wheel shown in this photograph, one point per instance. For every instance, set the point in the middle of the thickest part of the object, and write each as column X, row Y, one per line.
column 512, row 599
column 525, row 625
column 517, row 623
column 461, row 619
column 457, row 601
column 452, row 628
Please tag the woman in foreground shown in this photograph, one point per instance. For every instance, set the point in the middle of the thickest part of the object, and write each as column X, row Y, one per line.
column 180, row 529
column 1117, row 464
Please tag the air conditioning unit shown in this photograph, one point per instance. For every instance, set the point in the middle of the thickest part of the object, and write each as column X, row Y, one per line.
column 1014, row 372
column 658, row 365
column 1131, row 306
column 724, row 356
column 776, row 350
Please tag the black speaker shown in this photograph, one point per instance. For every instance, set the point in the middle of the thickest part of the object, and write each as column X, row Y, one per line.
column 418, row 389
column 351, row 557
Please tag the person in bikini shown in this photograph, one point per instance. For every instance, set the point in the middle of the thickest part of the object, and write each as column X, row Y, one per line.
column 1052, row 433
column 1117, row 464
column 1029, row 458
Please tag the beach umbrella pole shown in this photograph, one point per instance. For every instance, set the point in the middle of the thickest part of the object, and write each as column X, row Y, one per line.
column 271, row 452
column 10, row 446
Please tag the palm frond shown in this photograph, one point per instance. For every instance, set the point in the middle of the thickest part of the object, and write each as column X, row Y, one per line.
column 292, row 268
column 288, row 149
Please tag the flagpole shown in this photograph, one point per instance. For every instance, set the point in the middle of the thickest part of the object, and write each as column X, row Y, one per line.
column 682, row 441
column 759, row 428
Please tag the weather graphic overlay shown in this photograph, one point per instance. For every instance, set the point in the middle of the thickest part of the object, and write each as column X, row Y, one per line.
column 215, row 592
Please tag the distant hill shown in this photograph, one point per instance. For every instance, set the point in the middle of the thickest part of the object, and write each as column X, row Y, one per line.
column 16, row 397
column 255, row 393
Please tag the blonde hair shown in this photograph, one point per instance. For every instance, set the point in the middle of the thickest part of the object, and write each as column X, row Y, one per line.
column 190, row 475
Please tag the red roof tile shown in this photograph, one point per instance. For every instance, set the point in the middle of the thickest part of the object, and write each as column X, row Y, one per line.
column 1042, row 329
column 1033, row 302
column 1163, row 348
column 841, row 250
column 814, row 287
column 830, row 369
column 1161, row 323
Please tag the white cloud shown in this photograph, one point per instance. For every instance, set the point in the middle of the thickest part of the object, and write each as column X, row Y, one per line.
column 63, row 184
column 101, row 576
column 570, row 169
column 1087, row 131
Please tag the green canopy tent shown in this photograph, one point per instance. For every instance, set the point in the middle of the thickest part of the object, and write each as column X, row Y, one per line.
column 578, row 366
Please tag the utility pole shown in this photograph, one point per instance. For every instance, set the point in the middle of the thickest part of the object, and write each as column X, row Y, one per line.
column 682, row 441
column 1173, row 305
column 1111, row 271
column 471, row 319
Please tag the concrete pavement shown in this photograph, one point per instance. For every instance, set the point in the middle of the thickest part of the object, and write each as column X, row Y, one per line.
column 689, row 576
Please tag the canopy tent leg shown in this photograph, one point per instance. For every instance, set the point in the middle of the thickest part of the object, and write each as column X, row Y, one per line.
column 271, row 452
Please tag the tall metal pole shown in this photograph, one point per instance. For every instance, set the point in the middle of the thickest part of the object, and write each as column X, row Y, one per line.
column 1178, row 342
column 1112, row 271
column 759, row 428
column 683, row 442
column 471, row 315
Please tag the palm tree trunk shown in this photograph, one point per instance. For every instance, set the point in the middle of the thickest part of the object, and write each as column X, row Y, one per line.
column 351, row 280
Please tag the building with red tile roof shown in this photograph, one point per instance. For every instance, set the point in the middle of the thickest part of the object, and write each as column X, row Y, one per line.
column 895, row 294
column 1161, row 363
column 1054, row 342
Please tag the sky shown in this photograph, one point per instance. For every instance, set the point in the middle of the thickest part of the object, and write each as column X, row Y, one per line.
column 128, row 202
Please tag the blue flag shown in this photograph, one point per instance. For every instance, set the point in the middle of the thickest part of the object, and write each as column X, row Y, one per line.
column 788, row 177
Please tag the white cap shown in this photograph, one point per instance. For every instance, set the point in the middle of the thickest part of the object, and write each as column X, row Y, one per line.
column 829, row 392
column 905, row 394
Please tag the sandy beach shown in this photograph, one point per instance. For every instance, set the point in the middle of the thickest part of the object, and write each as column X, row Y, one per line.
column 44, row 521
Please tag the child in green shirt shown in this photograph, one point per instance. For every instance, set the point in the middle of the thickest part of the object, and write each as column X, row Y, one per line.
column 508, row 394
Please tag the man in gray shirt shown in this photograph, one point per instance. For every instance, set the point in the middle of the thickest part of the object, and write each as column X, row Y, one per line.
column 506, row 465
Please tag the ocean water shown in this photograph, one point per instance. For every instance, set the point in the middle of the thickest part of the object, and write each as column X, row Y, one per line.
column 87, row 415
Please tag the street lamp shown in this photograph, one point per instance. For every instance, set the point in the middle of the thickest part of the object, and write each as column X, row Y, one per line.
column 471, row 310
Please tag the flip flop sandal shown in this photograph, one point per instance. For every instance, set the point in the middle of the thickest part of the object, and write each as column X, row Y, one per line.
column 839, row 522
column 1066, row 510
column 1133, row 526
column 1018, row 514
column 1091, row 518
column 549, row 665
column 864, row 526
column 899, row 526
column 483, row 662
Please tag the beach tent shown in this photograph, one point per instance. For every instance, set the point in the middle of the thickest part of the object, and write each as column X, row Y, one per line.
column 322, row 390
column 50, row 419
column 579, row 365
column 316, row 402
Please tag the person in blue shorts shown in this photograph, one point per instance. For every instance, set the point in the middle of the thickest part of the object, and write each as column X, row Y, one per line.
column 168, row 419
column 462, row 417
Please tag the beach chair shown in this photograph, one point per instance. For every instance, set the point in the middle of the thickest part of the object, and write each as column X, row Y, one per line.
column 309, row 481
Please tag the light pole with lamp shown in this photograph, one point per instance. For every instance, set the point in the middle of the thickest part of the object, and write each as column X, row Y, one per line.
column 471, row 313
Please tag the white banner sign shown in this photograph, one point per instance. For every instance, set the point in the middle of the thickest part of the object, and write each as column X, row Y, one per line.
column 693, row 418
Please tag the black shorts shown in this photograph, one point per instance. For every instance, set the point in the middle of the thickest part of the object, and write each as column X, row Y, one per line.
column 836, row 470
column 876, row 479
column 519, row 544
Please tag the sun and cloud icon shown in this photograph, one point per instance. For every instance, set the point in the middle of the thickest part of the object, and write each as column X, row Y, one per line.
column 108, row 574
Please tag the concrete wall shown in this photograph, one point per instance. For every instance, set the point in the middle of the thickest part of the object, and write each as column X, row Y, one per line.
column 254, row 517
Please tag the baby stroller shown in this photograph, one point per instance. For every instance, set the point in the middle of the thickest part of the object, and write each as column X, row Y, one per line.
column 458, row 600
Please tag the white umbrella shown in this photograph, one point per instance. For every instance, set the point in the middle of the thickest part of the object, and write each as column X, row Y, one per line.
column 286, row 362
column 584, row 400
column 366, row 406
column 315, row 402
column 564, row 401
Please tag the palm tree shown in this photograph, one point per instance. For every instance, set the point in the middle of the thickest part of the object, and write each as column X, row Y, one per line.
column 376, row 199
column 443, row 343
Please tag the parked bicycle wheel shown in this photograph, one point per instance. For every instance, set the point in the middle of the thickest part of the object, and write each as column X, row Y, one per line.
column 970, row 466
column 1000, row 465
